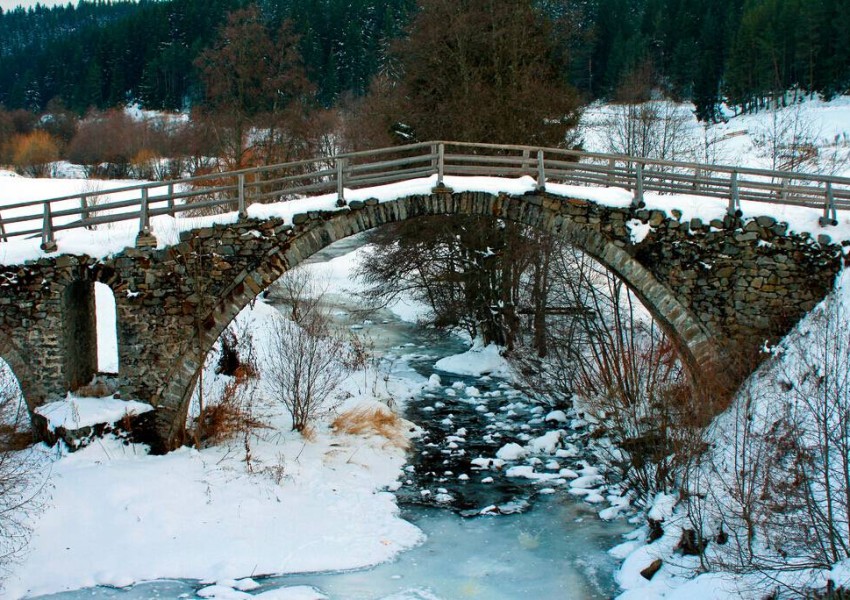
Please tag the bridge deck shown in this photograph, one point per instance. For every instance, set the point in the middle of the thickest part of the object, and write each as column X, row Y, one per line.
column 347, row 177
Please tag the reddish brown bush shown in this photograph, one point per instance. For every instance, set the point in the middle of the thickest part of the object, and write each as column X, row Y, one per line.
column 33, row 152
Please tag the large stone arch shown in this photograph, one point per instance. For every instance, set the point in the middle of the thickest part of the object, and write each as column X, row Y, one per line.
column 697, row 345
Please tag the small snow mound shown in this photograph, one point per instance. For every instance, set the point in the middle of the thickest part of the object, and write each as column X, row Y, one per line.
column 586, row 482
column 546, row 443
column 476, row 361
column 558, row 416
column 221, row 592
column 511, row 451
column 662, row 507
column 638, row 230
column 76, row 413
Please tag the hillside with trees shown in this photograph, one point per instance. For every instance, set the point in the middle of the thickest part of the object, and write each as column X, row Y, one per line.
column 101, row 54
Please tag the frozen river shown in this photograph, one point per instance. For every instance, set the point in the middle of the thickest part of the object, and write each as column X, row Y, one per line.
column 489, row 536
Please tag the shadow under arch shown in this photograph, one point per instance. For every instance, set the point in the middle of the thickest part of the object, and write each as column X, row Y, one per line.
column 697, row 346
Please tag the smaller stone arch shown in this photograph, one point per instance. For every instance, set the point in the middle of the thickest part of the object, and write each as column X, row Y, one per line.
column 76, row 297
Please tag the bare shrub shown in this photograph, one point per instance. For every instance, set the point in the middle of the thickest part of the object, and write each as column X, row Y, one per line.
column 113, row 144
column 21, row 486
column 32, row 153
column 307, row 356
column 622, row 371
column 232, row 412
column 106, row 143
column 778, row 486
column 145, row 164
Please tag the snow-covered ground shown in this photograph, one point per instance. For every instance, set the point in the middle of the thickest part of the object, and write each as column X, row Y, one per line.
column 117, row 515
column 742, row 139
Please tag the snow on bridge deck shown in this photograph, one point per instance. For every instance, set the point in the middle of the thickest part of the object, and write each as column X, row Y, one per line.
column 115, row 237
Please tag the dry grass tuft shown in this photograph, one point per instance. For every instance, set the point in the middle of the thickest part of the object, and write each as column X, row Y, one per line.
column 229, row 417
column 374, row 419
column 308, row 434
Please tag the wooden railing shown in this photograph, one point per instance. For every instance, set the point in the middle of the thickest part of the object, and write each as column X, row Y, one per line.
column 236, row 190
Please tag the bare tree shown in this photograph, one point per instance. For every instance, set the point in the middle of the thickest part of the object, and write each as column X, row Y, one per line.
column 21, row 485
column 606, row 352
column 256, row 85
column 643, row 126
column 306, row 361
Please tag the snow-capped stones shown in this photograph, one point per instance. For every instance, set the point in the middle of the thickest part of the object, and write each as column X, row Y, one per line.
column 638, row 230
column 511, row 451
column 546, row 443
column 568, row 474
column 557, row 416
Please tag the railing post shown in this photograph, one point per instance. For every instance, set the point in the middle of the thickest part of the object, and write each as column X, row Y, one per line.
column 612, row 168
column 526, row 160
column 441, row 188
column 783, row 194
column 830, row 214
column 340, row 182
column 48, row 242
column 84, row 209
column 170, row 199
column 145, row 239
column 697, row 175
column 541, row 172
column 240, row 186
column 144, row 215
column 3, row 230
column 441, row 164
column 734, row 209
column 637, row 200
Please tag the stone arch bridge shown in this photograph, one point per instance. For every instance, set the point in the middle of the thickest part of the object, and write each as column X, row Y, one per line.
column 718, row 291
column 720, row 288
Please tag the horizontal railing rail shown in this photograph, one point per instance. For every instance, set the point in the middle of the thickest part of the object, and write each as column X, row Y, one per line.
column 235, row 191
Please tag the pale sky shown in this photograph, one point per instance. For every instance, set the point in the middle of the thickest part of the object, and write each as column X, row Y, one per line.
column 10, row 4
